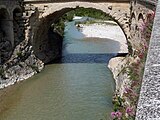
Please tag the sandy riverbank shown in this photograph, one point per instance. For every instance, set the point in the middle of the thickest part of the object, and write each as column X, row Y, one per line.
column 106, row 31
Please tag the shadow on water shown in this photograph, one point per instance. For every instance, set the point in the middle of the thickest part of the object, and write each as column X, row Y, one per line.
column 90, row 50
column 86, row 58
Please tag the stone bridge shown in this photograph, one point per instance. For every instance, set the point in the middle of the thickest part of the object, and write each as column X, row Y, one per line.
column 38, row 15
column 47, row 12
column 24, row 26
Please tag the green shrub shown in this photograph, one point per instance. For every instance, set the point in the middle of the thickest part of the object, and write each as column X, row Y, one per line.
column 19, row 54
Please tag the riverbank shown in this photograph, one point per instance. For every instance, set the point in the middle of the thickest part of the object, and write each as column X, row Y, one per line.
column 127, row 71
column 107, row 30
column 128, row 74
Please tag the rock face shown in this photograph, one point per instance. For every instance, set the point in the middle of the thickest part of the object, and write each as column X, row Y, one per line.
column 116, row 65
column 22, row 65
column 18, row 57
column 5, row 48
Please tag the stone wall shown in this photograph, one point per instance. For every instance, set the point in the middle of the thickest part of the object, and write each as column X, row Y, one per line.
column 51, row 1
column 17, row 59
column 11, row 27
column 139, row 16
column 128, row 71
column 148, row 105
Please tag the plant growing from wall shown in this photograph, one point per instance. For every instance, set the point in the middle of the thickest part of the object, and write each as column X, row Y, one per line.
column 19, row 54
column 134, row 71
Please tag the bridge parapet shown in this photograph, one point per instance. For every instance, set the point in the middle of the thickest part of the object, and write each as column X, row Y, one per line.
column 149, row 101
column 51, row 1
column 154, row 2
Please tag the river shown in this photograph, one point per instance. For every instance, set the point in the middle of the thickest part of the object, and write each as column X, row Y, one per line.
column 80, row 87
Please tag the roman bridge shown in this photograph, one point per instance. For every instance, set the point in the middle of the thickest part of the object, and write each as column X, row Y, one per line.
column 24, row 26
column 129, row 15
column 49, row 11
column 31, row 19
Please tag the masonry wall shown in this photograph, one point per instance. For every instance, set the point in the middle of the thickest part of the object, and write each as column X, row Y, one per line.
column 128, row 71
column 74, row 0
column 17, row 61
column 148, row 105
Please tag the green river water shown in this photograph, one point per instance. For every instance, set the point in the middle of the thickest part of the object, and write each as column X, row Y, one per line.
column 80, row 87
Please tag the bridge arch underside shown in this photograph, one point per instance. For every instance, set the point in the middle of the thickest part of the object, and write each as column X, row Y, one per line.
column 5, row 35
column 47, row 49
column 18, row 25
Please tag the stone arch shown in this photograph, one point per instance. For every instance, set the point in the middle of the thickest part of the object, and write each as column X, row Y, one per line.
column 140, row 20
column 49, row 17
column 18, row 25
column 6, row 34
column 16, row 7
column 133, row 22
column 4, row 21
column 135, row 2
column 105, row 7
column 6, row 10
column 41, row 41
column 133, row 15
column 140, row 17
column 140, row 24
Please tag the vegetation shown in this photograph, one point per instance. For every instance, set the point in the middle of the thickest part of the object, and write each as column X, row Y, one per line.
column 135, row 70
column 19, row 54
column 59, row 25
column 88, row 22
column 93, row 13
